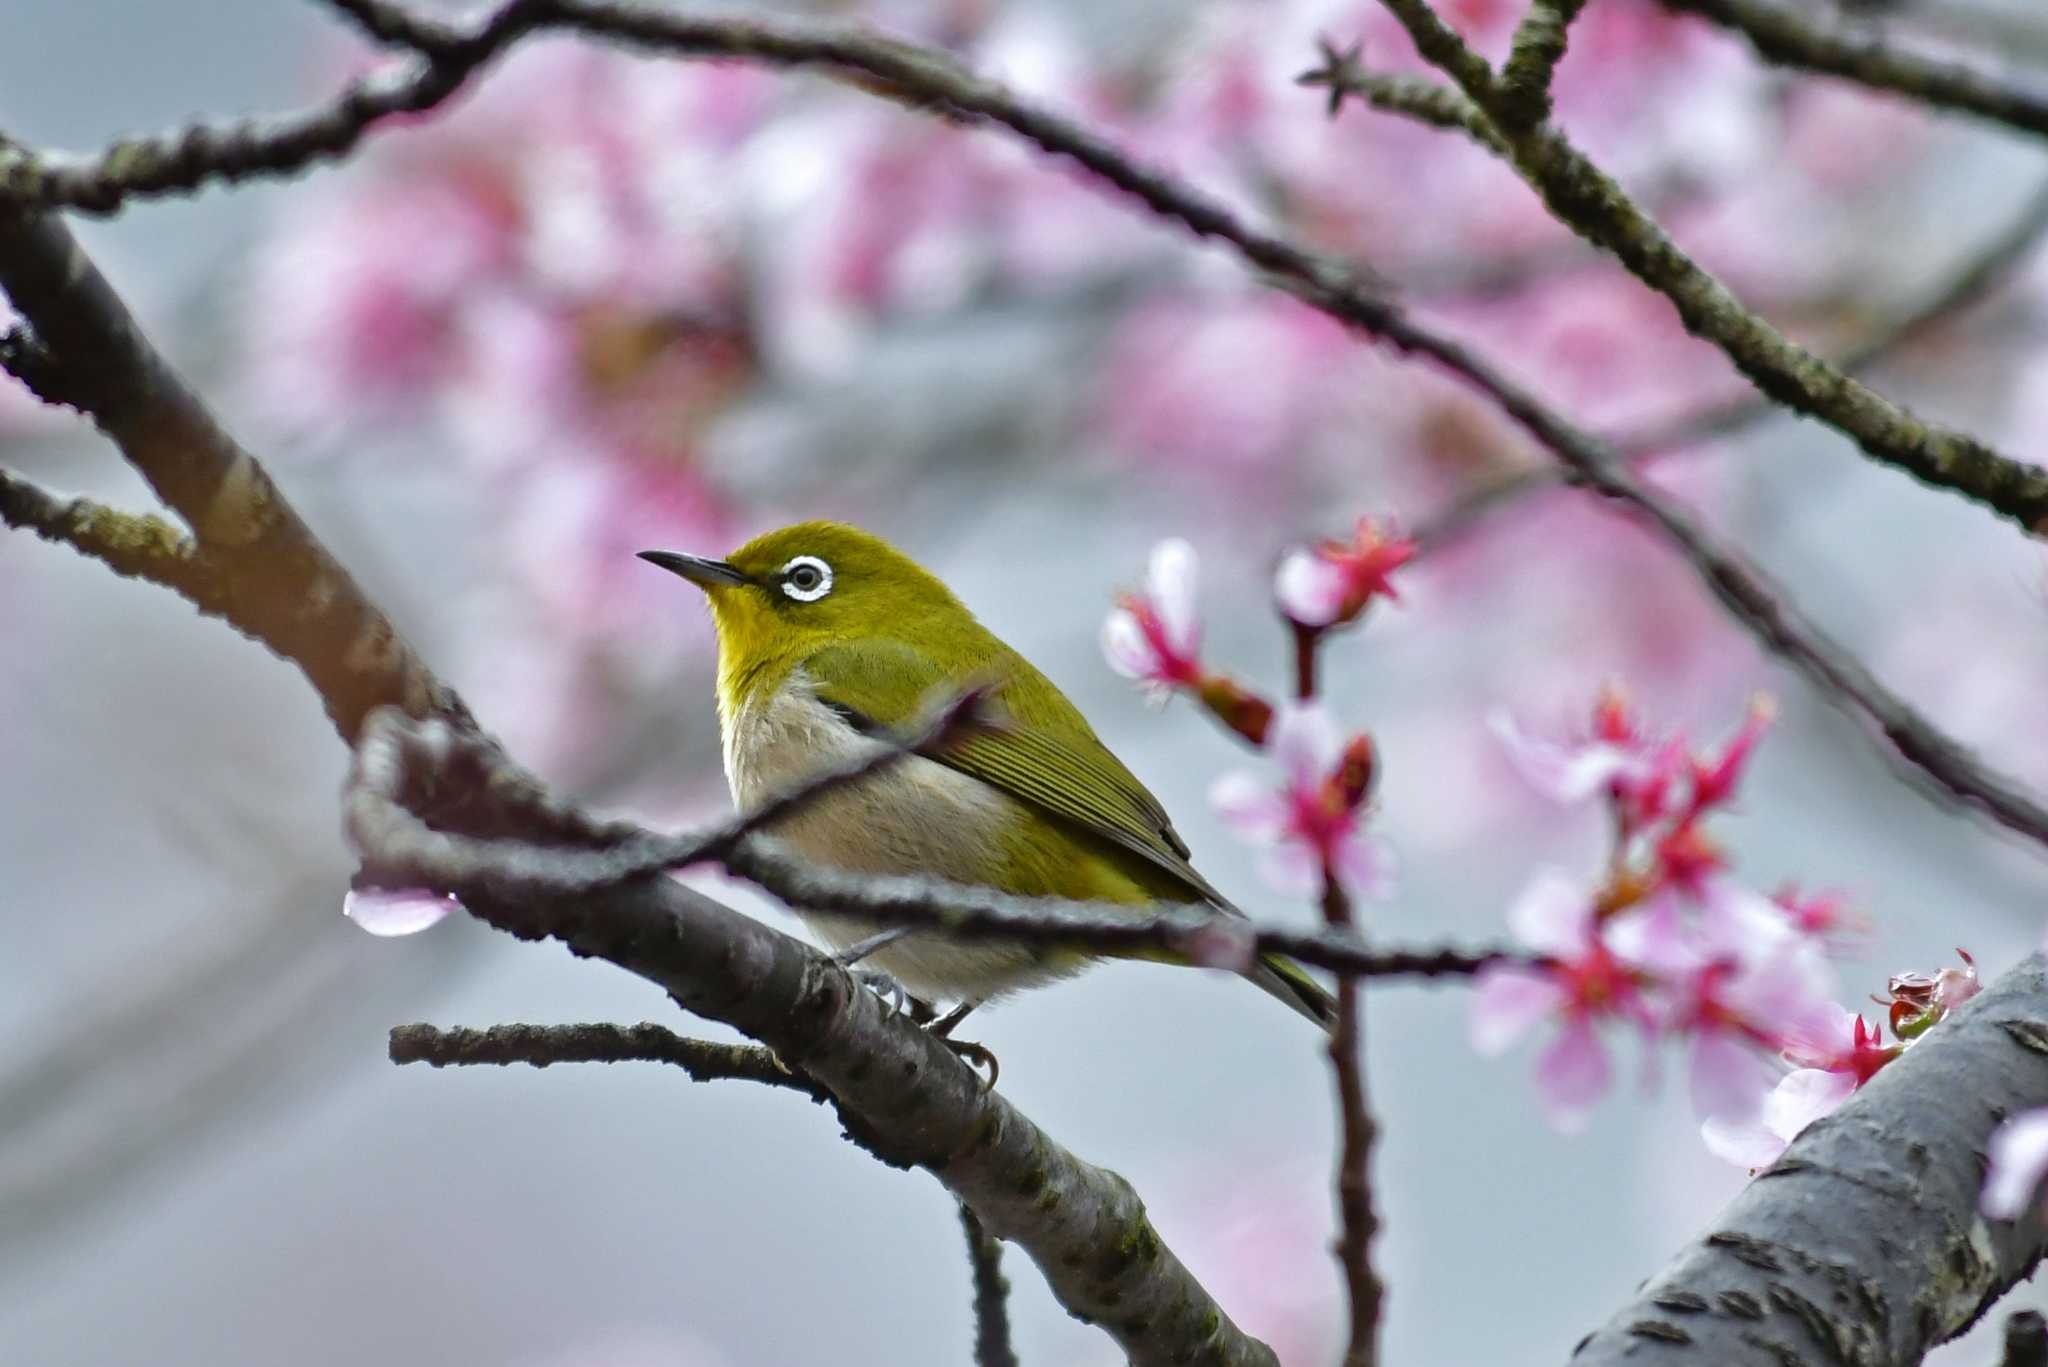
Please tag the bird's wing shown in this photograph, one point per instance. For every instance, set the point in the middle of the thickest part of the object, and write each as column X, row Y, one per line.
column 1042, row 753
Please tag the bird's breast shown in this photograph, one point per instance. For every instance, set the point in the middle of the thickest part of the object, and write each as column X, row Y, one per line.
column 914, row 816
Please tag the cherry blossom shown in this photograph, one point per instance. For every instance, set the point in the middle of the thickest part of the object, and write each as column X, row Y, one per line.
column 1333, row 582
column 1155, row 637
column 1313, row 824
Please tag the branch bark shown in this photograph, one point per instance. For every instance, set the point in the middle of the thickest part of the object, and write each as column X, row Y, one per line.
column 1863, row 1245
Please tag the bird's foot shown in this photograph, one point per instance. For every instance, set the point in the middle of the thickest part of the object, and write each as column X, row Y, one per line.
column 979, row 1057
column 975, row 1056
column 893, row 994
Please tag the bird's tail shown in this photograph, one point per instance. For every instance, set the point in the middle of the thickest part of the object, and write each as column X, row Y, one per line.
column 1291, row 983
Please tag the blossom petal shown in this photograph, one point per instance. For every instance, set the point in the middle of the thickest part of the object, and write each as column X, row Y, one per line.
column 1170, row 584
column 1571, row 1075
column 1365, row 865
column 396, row 911
column 1292, row 869
column 1728, row 1079
column 1745, row 1143
column 1125, row 647
column 1566, row 774
column 1309, row 589
column 1553, row 914
column 1305, row 742
column 2019, row 1159
column 1249, row 806
column 1653, row 936
column 1507, row 1001
column 1804, row 1096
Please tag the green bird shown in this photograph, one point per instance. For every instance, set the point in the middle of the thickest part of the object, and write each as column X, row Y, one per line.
column 828, row 636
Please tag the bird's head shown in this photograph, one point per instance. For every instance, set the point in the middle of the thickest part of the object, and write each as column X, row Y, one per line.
column 790, row 592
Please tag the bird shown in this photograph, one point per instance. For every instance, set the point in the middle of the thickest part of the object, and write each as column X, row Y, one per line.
column 830, row 639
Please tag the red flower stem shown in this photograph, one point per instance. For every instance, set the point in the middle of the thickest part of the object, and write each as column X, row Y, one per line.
column 1357, row 1132
column 1305, row 640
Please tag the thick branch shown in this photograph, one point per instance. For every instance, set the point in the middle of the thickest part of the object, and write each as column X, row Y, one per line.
column 1863, row 1243
column 1790, row 38
column 1532, row 61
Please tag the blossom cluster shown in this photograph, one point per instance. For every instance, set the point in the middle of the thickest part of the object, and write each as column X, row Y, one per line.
column 1311, row 825
column 1666, row 941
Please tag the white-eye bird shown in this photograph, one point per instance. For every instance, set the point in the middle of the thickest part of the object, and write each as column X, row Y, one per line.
column 828, row 635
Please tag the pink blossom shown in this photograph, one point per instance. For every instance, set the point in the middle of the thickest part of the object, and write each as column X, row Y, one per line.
column 1800, row 1098
column 1826, row 918
column 396, row 911
column 1580, row 981
column 1333, row 582
column 1571, row 772
column 1313, row 824
column 1155, row 637
column 1836, row 1059
column 1714, row 780
column 2019, row 1159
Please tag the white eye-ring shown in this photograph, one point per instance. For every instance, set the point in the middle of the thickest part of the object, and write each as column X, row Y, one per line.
column 806, row 579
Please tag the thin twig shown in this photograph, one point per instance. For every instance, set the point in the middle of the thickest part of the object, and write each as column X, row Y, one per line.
column 1357, row 1133
column 542, row 1045
column 399, row 757
column 1791, row 38
column 132, row 545
column 991, row 1295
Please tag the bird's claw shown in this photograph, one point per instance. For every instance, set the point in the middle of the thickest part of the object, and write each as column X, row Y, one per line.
column 977, row 1057
column 892, row 993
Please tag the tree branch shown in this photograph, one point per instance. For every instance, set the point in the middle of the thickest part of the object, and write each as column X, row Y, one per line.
column 1537, row 48
column 1356, row 1132
column 991, row 1293
column 1863, row 1243
column 1584, row 198
column 1789, row 38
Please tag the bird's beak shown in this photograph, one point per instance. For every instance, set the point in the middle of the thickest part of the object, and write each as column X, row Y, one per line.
column 707, row 574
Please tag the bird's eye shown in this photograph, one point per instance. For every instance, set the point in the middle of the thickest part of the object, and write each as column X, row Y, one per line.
column 806, row 579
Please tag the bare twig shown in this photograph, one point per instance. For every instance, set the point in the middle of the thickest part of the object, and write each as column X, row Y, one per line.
column 133, row 545
column 1794, row 39
column 1787, row 1273
column 399, row 759
column 991, row 1295
column 542, row 1045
